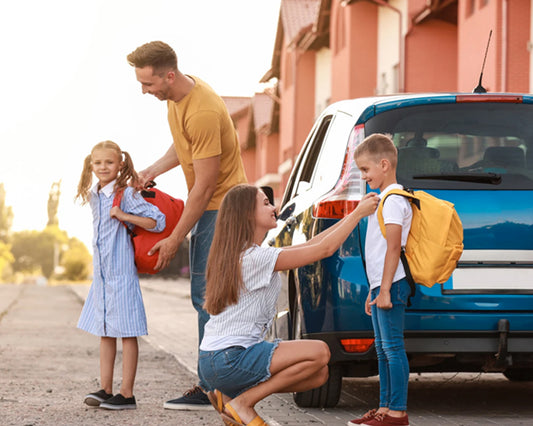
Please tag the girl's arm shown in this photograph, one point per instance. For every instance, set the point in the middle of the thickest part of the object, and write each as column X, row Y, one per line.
column 327, row 242
column 392, row 259
column 144, row 222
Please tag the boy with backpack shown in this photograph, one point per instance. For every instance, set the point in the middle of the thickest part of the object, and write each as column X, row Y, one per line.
column 376, row 157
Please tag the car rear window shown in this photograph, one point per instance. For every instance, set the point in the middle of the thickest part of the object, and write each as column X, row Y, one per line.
column 461, row 146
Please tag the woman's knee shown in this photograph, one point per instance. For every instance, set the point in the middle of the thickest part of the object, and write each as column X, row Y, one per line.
column 323, row 375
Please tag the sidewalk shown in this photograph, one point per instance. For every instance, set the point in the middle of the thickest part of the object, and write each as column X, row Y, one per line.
column 173, row 328
column 47, row 366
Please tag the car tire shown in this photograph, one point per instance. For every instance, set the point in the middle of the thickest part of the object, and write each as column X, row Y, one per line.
column 326, row 396
column 519, row 374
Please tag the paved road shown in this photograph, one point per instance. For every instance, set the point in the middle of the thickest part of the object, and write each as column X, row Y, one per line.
column 168, row 361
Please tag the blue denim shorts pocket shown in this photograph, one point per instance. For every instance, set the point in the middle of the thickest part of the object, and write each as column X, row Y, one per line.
column 235, row 369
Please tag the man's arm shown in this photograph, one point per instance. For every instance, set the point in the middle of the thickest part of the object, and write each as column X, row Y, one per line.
column 168, row 161
column 206, row 173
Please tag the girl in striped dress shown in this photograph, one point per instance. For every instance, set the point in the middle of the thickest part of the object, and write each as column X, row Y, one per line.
column 114, row 307
column 238, row 365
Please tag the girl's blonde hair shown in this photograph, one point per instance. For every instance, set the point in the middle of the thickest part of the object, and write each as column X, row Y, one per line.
column 234, row 233
column 127, row 174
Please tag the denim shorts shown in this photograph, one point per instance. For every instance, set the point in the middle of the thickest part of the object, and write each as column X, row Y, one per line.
column 236, row 369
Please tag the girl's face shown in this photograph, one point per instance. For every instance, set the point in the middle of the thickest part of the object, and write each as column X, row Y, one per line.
column 106, row 165
column 265, row 213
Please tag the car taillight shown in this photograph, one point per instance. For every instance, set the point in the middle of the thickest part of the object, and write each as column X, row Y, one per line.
column 357, row 345
column 343, row 199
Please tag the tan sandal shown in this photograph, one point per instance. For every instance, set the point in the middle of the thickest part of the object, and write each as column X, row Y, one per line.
column 215, row 398
column 230, row 417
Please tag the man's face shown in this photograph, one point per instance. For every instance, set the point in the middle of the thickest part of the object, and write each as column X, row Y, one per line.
column 154, row 84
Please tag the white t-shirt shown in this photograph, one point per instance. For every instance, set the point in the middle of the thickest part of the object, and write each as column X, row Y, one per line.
column 247, row 322
column 396, row 210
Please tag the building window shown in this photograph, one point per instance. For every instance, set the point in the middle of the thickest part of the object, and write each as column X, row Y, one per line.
column 470, row 7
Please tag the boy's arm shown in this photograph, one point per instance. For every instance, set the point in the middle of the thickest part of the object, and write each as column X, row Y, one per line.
column 144, row 222
column 392, row 259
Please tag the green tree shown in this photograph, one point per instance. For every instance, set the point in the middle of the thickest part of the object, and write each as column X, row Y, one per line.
column 6, row 259
column 6, row 216
column 6, row 219
column 38, row 250
column 76, row 261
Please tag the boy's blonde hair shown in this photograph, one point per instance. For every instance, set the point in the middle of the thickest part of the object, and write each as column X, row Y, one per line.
column 378, row 146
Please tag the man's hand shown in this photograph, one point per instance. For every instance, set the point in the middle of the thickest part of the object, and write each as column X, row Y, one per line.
column 167, row 250
column 145, row 176
column 383, row 300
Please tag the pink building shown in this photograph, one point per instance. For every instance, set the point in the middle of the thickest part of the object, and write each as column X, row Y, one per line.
column 329, row 50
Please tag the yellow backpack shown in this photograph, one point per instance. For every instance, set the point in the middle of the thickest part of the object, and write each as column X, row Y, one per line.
column 435, row 240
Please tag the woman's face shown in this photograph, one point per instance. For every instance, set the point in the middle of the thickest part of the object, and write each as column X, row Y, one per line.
column 265, row 213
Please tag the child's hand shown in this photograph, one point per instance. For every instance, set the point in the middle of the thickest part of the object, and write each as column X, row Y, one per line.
column 115, row 212
column 383, row 300
column 368, row 204
column 368, row 310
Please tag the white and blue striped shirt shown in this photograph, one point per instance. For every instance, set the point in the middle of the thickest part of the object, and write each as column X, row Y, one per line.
column 247, row 322
column 114, row 305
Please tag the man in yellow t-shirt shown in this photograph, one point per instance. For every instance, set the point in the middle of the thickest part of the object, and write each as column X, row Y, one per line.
column 207, row 148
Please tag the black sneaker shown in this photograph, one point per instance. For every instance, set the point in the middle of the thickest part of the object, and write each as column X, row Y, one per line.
column 94, row 399
column 118, row 402
column 194, row 399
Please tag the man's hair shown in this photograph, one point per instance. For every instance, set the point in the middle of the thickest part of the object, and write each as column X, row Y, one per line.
column 378, row 146
column 156, row 54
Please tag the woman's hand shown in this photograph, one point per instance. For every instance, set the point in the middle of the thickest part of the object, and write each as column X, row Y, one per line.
column 368, row 204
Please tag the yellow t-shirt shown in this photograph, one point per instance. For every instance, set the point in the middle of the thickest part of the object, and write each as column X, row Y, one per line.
column 201, row 128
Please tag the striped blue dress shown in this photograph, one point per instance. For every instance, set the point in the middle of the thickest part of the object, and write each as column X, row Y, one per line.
column 114, row 306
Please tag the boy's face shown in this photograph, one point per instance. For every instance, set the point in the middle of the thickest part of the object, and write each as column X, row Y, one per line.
column 372, row 170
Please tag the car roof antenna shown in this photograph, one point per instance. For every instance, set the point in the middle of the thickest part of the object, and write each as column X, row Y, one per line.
column 480, row 88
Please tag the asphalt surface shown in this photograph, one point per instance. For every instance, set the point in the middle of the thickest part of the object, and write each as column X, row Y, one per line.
column 47, row 366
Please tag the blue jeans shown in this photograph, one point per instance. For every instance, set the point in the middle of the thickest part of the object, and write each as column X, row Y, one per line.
column 392, row 360
column 201, row 238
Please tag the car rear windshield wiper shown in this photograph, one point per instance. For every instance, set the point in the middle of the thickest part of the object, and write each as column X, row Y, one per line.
column 490, row 178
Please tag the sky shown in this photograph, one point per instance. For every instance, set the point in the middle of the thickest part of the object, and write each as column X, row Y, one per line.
column 66, row 85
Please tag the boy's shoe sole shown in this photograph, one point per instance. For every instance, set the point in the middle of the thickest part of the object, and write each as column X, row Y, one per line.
column 192, row 400
column 174, row 405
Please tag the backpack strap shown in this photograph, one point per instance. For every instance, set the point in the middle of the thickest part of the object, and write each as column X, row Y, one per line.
column 413, row 200
column 406, row 193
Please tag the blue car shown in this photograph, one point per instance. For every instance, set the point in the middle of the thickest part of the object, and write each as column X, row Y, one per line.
column 474, row 150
